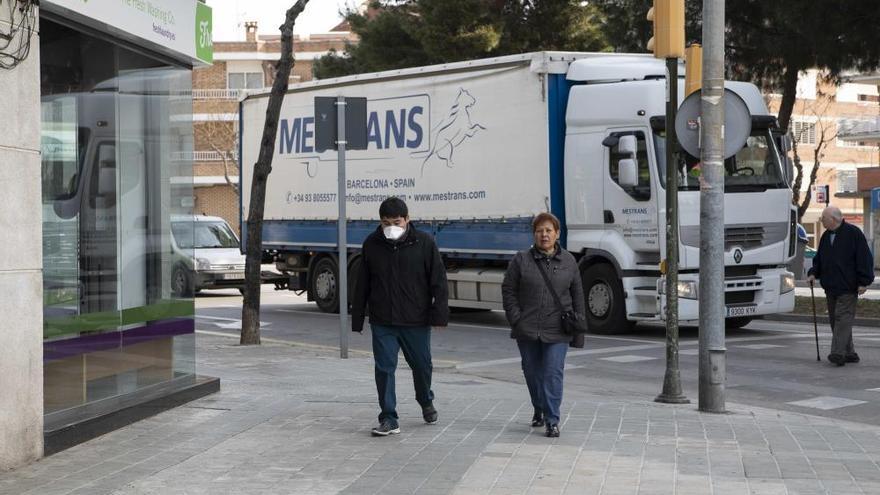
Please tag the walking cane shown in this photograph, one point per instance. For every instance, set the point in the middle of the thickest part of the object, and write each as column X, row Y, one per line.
column 815, row 325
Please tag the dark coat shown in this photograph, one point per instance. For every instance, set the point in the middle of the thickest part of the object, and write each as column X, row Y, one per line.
column 847, row 264
column 403, row 282
column 528, row 304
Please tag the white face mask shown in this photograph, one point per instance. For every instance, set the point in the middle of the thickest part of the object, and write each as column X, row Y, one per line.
column 393, row 232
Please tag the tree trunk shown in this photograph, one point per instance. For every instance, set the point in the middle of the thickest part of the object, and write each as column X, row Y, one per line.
column 789, row 95
column 817, row 154
column 250, row 310
column 798, row 180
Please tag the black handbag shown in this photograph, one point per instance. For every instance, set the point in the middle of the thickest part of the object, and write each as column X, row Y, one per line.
column 572, row 323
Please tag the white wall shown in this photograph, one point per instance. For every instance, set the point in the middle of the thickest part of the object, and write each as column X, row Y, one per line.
column 21, row 303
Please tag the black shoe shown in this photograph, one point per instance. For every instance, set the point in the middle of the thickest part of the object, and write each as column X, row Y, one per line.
column 552, row 431
column 385, row 428
column 537, row 419
column 852, row 358
column 429, row 413
column 837, row 359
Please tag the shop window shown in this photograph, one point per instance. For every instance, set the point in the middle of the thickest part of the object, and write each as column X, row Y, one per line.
column 113, row 122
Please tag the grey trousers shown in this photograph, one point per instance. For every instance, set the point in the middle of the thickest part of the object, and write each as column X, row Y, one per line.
column 841, row 313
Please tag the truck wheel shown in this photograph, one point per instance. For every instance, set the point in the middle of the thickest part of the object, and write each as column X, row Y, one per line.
column 323, row 285
column 734, row 323
column 181, row 282
column 603, row 294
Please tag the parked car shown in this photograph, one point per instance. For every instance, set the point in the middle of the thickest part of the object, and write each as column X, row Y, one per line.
column 208, row 255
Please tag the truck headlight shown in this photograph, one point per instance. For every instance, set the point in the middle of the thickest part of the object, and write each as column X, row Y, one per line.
column 687, row 289
column 786, row 282
column 203, row 264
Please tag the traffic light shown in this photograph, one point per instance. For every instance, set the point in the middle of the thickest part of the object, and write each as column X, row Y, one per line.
column 693, row 69
column 668, row 18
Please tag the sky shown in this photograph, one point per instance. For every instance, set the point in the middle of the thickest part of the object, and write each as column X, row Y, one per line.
column 230, row 15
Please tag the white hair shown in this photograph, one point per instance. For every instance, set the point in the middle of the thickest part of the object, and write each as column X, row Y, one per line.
column 835, row 213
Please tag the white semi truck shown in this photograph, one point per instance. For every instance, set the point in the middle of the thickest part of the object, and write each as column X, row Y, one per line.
column 478, row 148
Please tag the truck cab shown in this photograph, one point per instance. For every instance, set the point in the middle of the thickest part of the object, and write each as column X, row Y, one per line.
column 617, row 224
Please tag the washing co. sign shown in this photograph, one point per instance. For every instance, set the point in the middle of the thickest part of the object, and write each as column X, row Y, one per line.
column 181, row 28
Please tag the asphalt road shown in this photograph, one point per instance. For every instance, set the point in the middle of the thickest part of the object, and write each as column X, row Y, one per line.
column 770, row 364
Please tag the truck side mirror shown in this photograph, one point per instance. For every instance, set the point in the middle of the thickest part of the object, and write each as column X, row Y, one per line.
column 628, row 146
column 627, row 172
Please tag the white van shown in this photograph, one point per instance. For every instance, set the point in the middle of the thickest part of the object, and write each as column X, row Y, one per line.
column 208, row 255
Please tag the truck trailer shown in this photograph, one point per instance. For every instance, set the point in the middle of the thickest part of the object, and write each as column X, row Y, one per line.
column 478, row 148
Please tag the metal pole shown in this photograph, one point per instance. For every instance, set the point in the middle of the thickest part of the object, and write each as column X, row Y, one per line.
column 711, row 289
column 342, row 223
column 671, row 393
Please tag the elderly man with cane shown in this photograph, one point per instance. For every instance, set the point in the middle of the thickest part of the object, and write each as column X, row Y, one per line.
column 844, row 266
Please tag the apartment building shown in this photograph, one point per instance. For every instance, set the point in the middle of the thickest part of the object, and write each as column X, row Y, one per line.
column 240, row 66
column 825, row 124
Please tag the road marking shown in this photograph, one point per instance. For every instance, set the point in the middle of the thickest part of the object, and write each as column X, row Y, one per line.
column 628, row 358
column 572, row 367
column 873, row 389
column 228, row 323
column 586, row 352
column 690, row 352
column 826, row 403
column 759, row 346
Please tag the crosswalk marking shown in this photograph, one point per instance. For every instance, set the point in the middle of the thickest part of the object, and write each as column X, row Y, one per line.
column 827, row 403
column 628, row 358
column 759, row 346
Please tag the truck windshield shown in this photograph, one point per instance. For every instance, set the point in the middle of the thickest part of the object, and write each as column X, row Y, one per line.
column 203, row 235
column 755, row 167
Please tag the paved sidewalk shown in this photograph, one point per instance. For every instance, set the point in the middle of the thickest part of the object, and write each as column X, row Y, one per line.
column 297, row 420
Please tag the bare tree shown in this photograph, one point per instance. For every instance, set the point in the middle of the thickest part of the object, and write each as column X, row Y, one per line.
column 823, row 136
column 220, row 136
column 250, row 310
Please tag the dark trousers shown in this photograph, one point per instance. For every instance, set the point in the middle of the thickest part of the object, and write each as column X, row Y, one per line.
column 416, row 345
column 841, row 313
column 542, row 366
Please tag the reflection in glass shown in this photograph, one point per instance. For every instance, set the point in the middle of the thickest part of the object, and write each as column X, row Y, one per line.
column 117, row 142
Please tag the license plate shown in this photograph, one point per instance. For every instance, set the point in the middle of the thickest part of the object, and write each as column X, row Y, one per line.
column 735, row 311
column 233, row 276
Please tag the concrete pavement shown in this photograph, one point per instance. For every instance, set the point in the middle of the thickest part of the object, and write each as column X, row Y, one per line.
column 297, row 420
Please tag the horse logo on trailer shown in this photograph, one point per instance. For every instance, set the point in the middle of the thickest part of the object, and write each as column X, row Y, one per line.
column 454, row 130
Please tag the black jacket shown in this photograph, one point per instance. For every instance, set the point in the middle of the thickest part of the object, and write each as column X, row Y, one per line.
column 403, row 282
column 528, row 304
column 847, row 264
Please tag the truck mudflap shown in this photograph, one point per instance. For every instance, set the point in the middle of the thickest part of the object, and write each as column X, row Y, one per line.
column 745, row 298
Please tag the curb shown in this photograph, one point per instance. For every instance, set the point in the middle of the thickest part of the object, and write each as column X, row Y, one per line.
column 800, row 318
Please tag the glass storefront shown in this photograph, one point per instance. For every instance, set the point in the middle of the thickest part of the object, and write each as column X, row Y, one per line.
column 116, row 167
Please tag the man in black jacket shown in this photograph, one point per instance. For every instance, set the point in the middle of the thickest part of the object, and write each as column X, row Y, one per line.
column 845, row 267
column 402, row 281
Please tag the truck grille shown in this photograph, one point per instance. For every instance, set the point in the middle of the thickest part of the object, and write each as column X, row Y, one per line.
column 746, row 237
column 739, row 297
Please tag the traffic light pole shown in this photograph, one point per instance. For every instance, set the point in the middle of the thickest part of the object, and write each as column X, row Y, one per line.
column 713, row 369
column 671, row 393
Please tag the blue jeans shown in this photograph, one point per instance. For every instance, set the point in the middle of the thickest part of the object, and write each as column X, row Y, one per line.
column 542, row 366
column 416, row 345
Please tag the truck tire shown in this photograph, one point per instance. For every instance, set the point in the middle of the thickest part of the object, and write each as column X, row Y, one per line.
column 603, row 294
column 734, row 323
column 322, row 285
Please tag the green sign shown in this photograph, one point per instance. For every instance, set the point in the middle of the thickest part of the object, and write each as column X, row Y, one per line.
column 204, row 29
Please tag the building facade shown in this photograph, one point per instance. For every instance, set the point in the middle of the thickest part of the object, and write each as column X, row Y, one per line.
column 824, row 116
column 97, row 174
column 240, row 66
